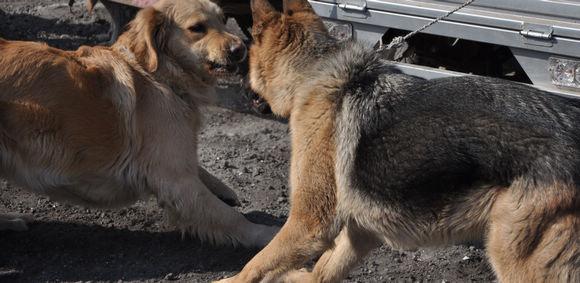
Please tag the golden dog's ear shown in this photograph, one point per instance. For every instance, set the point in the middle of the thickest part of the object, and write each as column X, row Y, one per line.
column 261, row 11
column 151, row 29
column 293, row 6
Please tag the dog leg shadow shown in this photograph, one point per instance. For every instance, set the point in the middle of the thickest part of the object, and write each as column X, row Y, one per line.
column 14, row 222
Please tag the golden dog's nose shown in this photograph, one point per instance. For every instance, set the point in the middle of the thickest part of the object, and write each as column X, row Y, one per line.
column 237, row 52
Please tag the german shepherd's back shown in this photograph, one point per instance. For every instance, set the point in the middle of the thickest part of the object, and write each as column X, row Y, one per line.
column 452, row 159
column 379, row 156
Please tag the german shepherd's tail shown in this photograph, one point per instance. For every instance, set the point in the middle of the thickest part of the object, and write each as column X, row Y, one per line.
column 534, row 233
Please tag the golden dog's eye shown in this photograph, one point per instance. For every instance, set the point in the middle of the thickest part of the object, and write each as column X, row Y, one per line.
column 197, row 28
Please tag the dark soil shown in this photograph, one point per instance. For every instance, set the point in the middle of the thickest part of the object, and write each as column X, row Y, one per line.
column 248, row 152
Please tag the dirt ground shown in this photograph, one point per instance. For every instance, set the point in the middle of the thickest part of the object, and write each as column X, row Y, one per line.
column 249, row 152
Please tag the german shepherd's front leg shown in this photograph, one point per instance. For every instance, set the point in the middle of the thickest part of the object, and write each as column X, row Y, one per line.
column 351, row 245
column 304, row 235
column 309, row 229
column 290, row 248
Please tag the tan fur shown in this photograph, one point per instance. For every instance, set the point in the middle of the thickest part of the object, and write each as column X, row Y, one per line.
column 322, row 191
column 104, row 126
column 551, row 219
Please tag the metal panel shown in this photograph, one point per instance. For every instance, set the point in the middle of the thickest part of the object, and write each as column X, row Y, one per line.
column 136, row 3
column 562, row 15
column 432, row 73
column 505, row 37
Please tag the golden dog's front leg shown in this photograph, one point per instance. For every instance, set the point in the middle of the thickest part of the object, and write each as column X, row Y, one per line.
column 195, row 209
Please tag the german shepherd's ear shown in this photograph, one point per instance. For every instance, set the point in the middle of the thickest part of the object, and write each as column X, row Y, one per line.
column 151, row 36
column 261, row 10
column 91, row 5
column 293, row 6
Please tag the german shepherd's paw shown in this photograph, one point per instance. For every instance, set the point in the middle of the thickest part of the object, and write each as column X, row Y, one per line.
column 296, row 276
column 14, row 222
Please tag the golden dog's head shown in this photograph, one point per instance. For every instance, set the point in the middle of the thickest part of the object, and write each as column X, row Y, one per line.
column 283, row 50
column 190, row 34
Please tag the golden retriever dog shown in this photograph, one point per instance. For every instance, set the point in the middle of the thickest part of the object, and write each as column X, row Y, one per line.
column 106, row 126
column 382, row 157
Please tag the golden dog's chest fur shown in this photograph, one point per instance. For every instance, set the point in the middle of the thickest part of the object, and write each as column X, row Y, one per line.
column 105, row 126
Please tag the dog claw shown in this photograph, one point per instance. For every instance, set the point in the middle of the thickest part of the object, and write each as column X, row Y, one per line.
column 230, row 201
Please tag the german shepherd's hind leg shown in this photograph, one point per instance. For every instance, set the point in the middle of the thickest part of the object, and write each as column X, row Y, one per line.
column 534, row 234
column 14, row 222
column 195, row 209
column 351, row 246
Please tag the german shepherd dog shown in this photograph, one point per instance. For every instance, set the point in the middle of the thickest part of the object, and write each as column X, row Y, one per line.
column 105, row 126
column 383, row 157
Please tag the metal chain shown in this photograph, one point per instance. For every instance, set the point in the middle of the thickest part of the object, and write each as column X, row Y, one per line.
column 399, row 40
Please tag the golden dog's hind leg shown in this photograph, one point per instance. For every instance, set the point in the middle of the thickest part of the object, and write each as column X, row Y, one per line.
column 14, row 222
column 534, row 234
column 196, row 210
column 351, row 246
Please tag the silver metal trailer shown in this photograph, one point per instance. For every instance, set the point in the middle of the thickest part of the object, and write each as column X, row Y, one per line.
column 533, row 31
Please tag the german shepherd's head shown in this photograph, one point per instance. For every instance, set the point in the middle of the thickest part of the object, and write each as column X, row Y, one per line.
column 185, row 37
column 285, row 46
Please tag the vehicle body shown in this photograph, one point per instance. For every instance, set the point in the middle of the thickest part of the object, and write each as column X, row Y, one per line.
column 512, row 39
column 531, row 30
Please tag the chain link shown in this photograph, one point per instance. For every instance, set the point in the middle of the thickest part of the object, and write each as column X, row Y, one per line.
column 399, row 40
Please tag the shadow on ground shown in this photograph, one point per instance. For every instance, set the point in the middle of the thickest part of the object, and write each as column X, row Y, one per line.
column 58, row 32
column 95, row 253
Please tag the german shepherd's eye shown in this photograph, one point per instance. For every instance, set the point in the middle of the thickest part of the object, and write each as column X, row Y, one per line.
column 198, row 28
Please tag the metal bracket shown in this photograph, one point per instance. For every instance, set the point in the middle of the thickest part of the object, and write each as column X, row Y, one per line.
column 539, row 35
column 353, row 8
column 353, row 5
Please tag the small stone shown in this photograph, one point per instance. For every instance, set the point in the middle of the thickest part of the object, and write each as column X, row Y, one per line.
column 171, row 276
column 465, row 258
column 228, row 165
